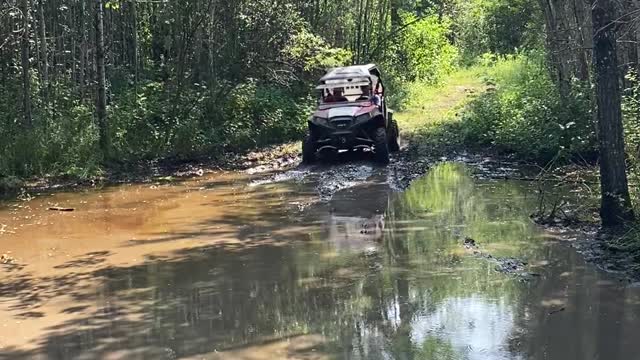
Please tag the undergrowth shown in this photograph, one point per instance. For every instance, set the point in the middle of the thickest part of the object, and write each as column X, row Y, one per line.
column 509, row 106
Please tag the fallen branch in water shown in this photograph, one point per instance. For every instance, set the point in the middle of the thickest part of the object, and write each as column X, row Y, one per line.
column 538, row 179
column 56, row 208
column 557, row 311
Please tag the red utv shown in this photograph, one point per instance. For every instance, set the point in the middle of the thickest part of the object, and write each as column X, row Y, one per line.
column 352, row 114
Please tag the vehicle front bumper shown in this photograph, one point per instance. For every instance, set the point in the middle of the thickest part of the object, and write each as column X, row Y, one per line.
column 343, row 140
column 334, row 138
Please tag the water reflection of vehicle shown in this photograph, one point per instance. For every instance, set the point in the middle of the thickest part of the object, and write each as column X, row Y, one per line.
column 354, row 233
column 357, row 224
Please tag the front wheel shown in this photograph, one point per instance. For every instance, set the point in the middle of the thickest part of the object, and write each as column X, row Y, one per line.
column 381, row 150
column 308, row 151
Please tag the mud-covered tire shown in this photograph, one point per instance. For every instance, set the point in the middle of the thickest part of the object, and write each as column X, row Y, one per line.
column 309, row 155
column 394, row 136
column 381, row 146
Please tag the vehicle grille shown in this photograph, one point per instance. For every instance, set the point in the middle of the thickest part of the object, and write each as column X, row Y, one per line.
column 342, row 122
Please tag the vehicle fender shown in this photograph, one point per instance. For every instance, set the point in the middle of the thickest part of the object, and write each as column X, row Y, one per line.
column 378, row 119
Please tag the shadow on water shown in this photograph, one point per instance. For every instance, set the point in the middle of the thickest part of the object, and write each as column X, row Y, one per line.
column 372, row 274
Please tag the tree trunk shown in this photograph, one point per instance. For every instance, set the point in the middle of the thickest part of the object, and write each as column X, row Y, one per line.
column 134, row 38
column 36, row 41
column 616, row 202
column 555, row 44
column 43, row 52
column 26, row 81
column 579, row 10
column 84, row 57
column 395, row 14
column 55, row 44
column 101, row 101
column 358, row 46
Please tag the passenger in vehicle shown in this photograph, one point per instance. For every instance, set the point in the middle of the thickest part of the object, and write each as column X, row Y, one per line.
column 338, row 96
column 367, row 95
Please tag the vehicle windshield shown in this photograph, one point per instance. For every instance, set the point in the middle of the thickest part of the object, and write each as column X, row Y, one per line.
column 347, row 94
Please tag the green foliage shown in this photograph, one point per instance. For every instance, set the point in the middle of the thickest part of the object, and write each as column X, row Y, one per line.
column 154, row 123
column 150, row 123
column 160, row 125
column 428, row 51
column 631, row 112
column 525, row 114
column 61, row 142
column 422, row 53
column 311, row 53
column 497, row 26
column 191, row 78
column 631, row 117
column 245, row 85
column 258, row 115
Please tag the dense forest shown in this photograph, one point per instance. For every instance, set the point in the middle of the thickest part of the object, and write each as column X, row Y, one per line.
column 84, row 82
column 88, row 85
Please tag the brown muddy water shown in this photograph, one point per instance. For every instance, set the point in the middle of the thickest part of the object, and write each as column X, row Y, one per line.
column 247, row 267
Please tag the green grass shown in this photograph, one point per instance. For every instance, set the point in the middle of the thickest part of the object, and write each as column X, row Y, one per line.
column 430, row 105
column 430, row 116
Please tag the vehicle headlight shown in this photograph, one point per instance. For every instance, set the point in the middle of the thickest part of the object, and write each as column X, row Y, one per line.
column 320, row 121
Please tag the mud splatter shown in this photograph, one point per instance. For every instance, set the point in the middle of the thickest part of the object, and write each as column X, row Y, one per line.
column 296, row 175
column 342, row 177
column 402, row 172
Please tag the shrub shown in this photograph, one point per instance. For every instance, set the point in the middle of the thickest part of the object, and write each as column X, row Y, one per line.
column 429, row 53
column 525, row 114
column 199, row 121
column 631, row 117
column 497, row 26
column 258, row 115
column 631, row 113
column 59, row 142
column 151, row 122
column 423, row 53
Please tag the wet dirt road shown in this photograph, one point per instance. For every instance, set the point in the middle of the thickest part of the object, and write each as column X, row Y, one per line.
column 305, row 264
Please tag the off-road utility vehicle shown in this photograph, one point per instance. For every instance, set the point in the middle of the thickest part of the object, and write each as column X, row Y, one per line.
column 352, row 114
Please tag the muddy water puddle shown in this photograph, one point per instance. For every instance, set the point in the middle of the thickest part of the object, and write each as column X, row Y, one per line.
column 260, row 266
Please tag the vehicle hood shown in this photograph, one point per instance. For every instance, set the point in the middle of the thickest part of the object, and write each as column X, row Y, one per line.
column 343, row 111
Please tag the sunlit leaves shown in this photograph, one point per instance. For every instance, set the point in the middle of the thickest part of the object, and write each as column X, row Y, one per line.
column 429, row 53
column 311, row 52
column 112, row 4
column 526, row 114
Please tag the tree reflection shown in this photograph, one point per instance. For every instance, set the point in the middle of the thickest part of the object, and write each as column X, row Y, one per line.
column 408, row 291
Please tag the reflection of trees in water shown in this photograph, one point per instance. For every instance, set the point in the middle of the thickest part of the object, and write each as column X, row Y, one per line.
column 597, row 319
column 368, row 304
column 431, row 219
column 401, row 340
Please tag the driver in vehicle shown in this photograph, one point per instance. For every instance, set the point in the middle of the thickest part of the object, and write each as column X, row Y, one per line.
column 338, row 96
column 366, row 95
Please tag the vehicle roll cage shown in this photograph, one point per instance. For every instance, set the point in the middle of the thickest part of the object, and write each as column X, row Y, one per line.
column 351, row 77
